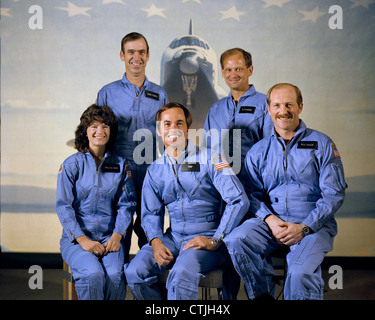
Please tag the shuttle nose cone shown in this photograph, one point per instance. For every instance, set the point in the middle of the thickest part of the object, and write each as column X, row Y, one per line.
column 189, row 65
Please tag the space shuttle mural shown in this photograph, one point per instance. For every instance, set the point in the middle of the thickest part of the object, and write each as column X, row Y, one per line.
column 189, row 73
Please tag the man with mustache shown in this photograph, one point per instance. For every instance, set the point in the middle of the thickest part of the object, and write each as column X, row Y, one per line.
column 192, row 184
column 295, row 183
column 135, row 101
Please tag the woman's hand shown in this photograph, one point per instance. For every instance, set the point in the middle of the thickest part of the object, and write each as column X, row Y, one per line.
column 114, row 243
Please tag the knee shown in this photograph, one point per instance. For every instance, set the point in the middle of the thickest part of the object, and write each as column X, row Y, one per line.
column 91, row 274
column 135, row 271
column 131, row 274
column 181, row 273
column 235, row 241
column 115, row 274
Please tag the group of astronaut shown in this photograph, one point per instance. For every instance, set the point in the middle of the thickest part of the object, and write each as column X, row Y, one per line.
column 290, row 184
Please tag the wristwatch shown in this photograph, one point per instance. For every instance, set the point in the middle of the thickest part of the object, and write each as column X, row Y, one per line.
column 305, row 229
column 216, row 242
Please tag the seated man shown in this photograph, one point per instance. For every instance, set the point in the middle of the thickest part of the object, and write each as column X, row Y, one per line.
column 191, row 184
column 295, row 185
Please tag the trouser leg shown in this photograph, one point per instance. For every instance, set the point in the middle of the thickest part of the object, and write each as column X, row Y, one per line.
column 231, row 280
column 189, row 269
column 142, row 272
column 87, row 272
column 247, row 244
column 114, row 288
column 304, row 280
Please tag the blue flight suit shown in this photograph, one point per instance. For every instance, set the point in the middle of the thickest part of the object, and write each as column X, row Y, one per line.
column 301, row 182
column 135, row 109
column 250, row 115
column 193, row 196
column 95, row 203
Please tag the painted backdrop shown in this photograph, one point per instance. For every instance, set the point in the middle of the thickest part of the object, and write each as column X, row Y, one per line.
column 56, row 55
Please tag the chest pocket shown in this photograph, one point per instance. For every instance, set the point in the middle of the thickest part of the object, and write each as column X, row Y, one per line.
column 109, row 183
column 169, row 190
column 82, row 189
column 305, row 165
column 195, row 183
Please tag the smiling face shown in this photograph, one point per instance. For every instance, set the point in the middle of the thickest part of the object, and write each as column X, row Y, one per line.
column 235, row 72
column 135, row 56
column 284, row 110
column 98, row 134
column 174, row 130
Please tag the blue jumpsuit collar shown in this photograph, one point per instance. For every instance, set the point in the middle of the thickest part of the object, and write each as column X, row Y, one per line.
column 125, row 81
column 300, row 129
column 190, row 152
column 251, row 91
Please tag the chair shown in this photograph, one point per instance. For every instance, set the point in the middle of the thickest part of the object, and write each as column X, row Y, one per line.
column 213, row 280
column 69, row 291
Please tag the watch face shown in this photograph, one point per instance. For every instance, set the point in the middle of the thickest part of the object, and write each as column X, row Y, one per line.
column 306, row 230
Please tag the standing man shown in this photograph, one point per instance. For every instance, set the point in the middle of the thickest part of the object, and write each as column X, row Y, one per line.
column 295, row 185
column 135, row 101
column 242, row 114
column 238, row 121
column 192, row 185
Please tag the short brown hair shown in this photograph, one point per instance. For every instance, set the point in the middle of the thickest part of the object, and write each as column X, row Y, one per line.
column 230, row 52
column 132, row 36
column 170, row 105
column 298, row 92
column 103, row 114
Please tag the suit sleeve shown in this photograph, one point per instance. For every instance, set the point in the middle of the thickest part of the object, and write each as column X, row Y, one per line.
column 254, row 188
column 66, row 180
column 233, row 193
column 332, row 185
column 152, row 209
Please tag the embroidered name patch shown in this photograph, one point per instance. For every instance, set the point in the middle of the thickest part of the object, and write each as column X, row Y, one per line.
column 190, row 167
column 108, row 167
column 247, row 109
column 220, row 163
column 152, row 95
column 308, row 145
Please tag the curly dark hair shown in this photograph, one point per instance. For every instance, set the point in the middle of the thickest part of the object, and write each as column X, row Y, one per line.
column 94, row 112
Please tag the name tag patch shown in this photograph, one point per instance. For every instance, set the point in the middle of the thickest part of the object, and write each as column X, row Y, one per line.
column 308, row 145
column 152, row 95
column 190, row 167
column 247, row 109
column 109, row 167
